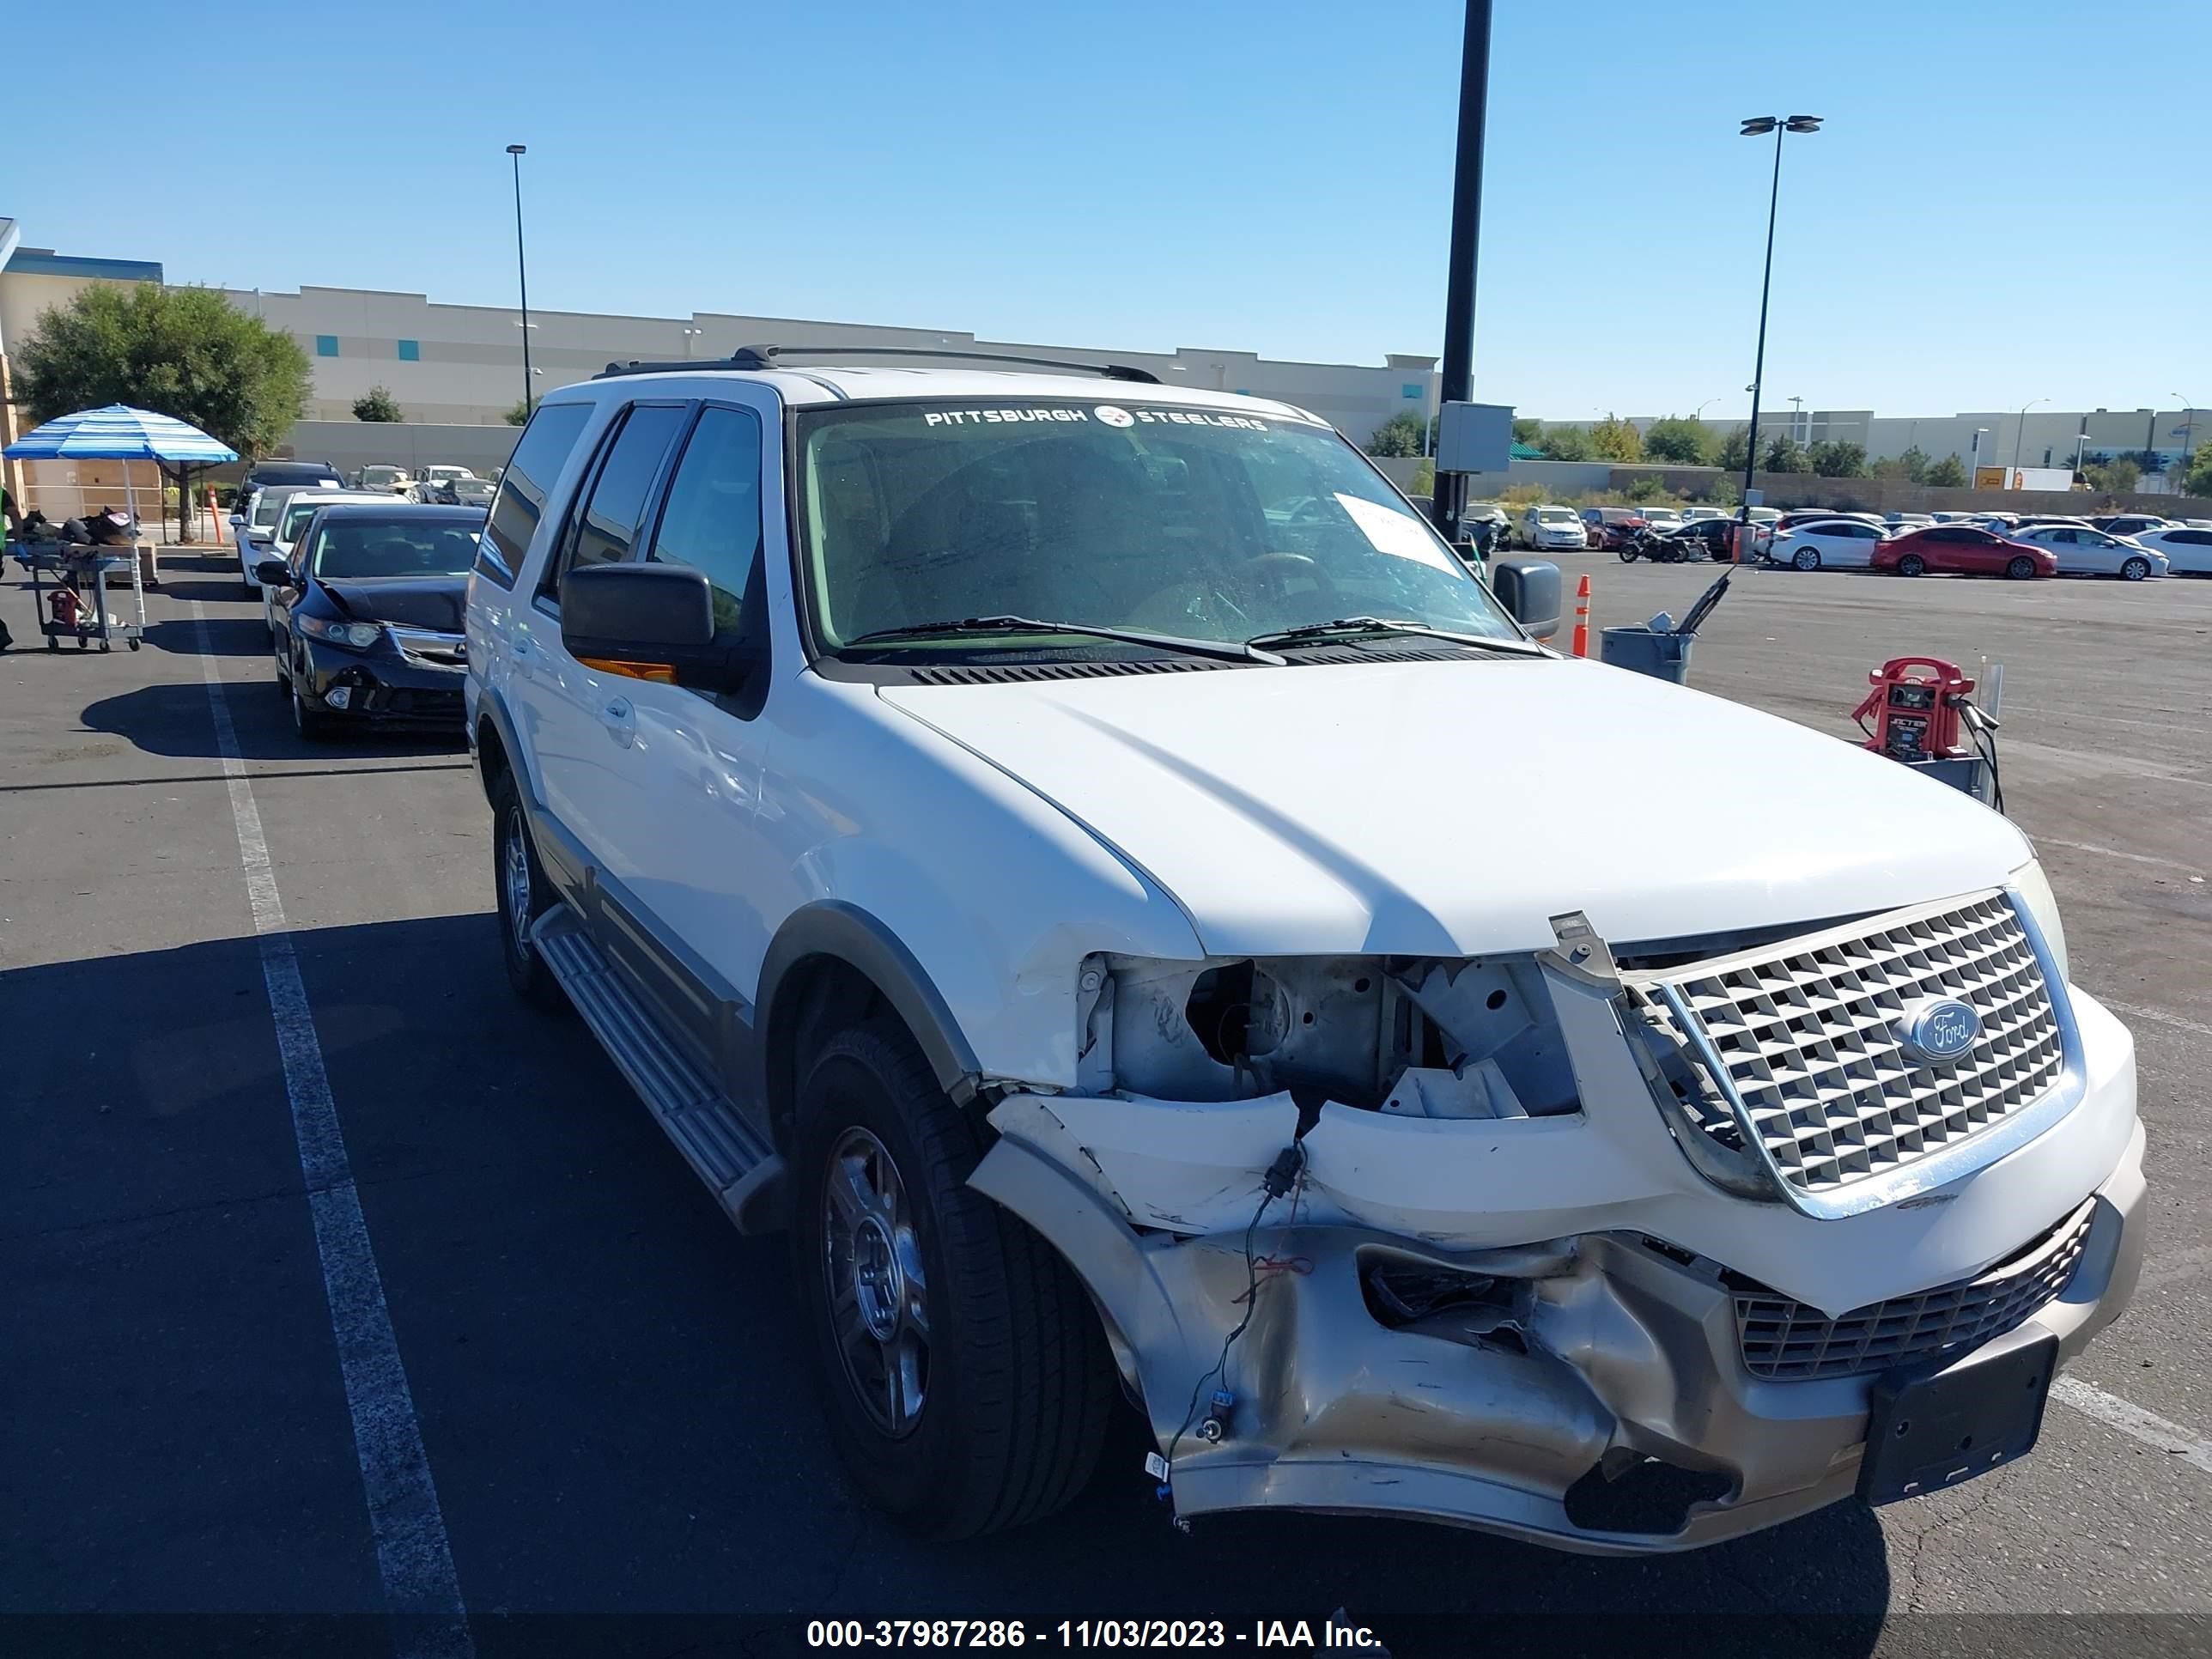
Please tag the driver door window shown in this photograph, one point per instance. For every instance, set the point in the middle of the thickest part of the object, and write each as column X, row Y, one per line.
column 601, row 533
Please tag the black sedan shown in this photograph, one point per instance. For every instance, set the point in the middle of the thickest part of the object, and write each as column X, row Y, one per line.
column 368, row 617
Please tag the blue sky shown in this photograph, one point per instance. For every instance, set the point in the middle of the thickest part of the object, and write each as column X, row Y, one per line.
column 2011, row 200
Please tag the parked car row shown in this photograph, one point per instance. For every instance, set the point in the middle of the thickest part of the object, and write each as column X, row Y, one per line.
column 2048, row 545
column 440, row 483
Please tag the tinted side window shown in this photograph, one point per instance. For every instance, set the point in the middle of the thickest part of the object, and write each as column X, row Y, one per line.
column 609, row 524
column 538, row 456
column 713, row 519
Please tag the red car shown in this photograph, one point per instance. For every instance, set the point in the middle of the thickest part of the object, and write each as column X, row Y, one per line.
column 1965, row 549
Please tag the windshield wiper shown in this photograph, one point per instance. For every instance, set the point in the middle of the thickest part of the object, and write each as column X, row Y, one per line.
column 1222, row 650
column 1342, row 625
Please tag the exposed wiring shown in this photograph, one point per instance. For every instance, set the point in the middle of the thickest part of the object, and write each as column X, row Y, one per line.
column 1282, row 1177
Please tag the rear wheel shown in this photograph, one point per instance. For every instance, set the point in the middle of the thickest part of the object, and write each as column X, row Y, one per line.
column 2133, row 570
column 2020, row 569
column 1806, row 558
column 967, row 1384
column 1912, row 565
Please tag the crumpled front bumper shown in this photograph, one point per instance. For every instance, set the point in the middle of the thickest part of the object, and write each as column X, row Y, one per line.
column 385, row 687
column 1622, row 1347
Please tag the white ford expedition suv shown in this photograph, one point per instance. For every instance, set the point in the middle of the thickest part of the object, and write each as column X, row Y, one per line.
column 1087, row 859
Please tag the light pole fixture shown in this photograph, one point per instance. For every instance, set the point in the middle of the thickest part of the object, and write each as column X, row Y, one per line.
column 1974, row 464
column 1758, row 126
column 690, row 334
column 515, row 153
column 2020, row 430
column 2080, row 443
column 2188, row 429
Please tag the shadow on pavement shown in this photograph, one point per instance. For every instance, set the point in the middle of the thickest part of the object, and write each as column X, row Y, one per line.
column 615, row 1390
column 226, row 636
column 174, row 720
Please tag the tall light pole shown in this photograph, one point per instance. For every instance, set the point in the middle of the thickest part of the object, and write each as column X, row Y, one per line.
column 1797, row 429
column 1457, row 380
column 2188, row 429
column 1758, row 126
column 1974, row 464
column 2021, row 431
column 2080, row 443
column 522, row 273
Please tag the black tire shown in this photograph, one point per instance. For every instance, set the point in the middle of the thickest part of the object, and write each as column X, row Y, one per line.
column 2133, row 570
column 2020, row 569
column 1015, row 1382
column 1627, row 554
column 525, row 888
column 1912, row 565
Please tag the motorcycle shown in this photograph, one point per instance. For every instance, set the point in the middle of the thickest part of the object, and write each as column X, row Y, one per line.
column 1645, row 543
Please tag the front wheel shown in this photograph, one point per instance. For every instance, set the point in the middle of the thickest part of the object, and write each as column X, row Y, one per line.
column 2135, row 570
column 1627, row 554
column 522, row 894
column 966, row 1380
column 1806, row 558
column 1912, row 565
column 2020, row 569
column 311, row 724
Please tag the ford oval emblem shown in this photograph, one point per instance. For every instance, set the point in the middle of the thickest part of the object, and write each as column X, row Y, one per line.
column 1938, row 1027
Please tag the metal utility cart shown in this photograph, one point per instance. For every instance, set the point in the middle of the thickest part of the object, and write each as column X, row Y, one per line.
column 83, row 572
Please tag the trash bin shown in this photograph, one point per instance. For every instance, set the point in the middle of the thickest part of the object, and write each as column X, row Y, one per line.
column 1662, row 656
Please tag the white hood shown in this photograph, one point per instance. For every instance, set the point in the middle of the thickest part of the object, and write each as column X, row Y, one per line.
column 1453, row 808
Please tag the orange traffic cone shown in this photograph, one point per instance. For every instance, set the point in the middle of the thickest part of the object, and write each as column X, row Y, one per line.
column 1581, row 647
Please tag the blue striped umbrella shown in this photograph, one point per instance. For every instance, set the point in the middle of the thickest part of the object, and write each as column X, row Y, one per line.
column 119, row 433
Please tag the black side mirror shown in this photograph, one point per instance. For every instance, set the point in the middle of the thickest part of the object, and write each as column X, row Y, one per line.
column 650, row 622
column 1530, row 591
column 273, row 572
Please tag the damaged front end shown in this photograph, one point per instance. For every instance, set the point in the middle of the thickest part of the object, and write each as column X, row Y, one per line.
column 1502, row 1241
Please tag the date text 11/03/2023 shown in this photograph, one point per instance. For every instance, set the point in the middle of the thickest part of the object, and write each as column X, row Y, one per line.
column 1280, row 1634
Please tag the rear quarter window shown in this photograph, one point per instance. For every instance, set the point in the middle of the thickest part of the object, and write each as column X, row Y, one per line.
column 539, row 454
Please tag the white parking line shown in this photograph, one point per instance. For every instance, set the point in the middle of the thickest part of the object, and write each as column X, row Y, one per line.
column 2131, row 1419
column 413, row 1557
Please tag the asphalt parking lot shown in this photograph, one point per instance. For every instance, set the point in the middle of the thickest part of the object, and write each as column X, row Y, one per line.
column 610, row 1392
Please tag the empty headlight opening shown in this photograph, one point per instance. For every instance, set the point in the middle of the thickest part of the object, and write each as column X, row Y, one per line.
column 1418, row 1037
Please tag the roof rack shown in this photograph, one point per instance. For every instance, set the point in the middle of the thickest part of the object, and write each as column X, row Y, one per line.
column 764, row 357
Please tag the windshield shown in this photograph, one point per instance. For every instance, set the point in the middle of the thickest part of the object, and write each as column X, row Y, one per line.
column 1555, row 515
column 380, row 474
column 297, row 511
column 1201, row 524
column 368, row 547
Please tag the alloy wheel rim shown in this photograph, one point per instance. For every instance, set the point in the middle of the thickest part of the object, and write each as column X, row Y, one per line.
column 514, row 873
column 872, row 1265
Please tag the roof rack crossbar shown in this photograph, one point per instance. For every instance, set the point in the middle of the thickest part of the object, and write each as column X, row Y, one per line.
column 764, row 357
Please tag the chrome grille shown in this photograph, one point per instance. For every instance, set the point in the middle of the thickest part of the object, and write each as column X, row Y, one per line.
column 1810, row 1043
column 1788, row 1342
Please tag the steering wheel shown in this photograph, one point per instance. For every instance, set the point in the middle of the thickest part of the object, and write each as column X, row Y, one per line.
column 1280, row 569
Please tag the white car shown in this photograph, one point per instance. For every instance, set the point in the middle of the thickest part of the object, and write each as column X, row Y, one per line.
column 1699, row 514
column 430, row 478
column 1827, row 544
column 1663, row 520
column 1553, row 528
column 2085, row 552
column 2187, row 548
column 254, row 526
column 1061, row 920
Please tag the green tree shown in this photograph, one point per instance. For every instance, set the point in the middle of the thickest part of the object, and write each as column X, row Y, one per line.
column 2118, row 477
column 2197, row 480
column 1399, row 436
column 1424, row 487
column 1785, row 454
column 1949, row 473
column 1679, row 439
column 1723, row 491
column 1912, row 466
column 1615, row 440
column 377, row 403
column 1567, row 443
column 517, row 413
column 186, row 352
column 1734, row 454
column 1832, row 457
column 1647, row 487
column 1527, row 430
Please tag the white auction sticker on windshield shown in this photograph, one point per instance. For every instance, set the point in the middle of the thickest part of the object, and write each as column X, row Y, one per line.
column 1399, row 534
